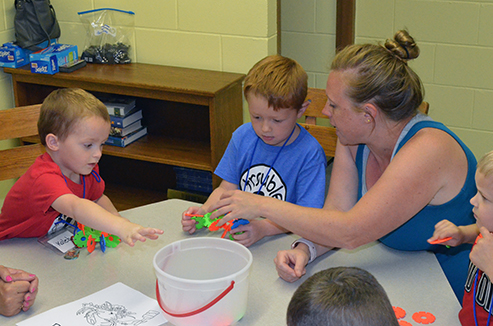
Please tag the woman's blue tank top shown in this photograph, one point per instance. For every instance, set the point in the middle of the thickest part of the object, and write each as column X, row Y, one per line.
column 413, row 234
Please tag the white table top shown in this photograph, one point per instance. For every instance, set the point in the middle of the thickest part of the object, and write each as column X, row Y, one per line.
column 414, row 281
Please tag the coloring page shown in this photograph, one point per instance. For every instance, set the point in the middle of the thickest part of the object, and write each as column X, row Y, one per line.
column 117, row 305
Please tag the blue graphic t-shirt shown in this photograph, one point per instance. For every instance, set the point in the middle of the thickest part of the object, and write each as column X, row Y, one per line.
column 298, row 175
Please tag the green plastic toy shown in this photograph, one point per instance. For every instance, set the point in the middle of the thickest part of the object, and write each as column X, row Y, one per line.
column 87, row 237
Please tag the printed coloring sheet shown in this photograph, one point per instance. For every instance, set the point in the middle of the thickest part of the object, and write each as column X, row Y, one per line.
column 117, row 305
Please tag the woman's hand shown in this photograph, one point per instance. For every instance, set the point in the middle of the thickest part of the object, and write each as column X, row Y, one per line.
column 18, row 290
column 290, row 264
column 236, row 204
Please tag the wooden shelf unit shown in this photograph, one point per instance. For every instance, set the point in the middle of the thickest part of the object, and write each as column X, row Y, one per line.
column 190, row 113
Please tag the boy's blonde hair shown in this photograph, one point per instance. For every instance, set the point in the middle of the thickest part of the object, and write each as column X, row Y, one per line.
column 64, row 108
column 485, row 164
column 280, row 80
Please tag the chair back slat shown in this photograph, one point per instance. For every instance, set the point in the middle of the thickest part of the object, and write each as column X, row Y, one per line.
column 18, row 123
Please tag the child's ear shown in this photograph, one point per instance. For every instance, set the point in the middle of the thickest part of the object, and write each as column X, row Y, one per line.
column 304, row 106
column 52, row 142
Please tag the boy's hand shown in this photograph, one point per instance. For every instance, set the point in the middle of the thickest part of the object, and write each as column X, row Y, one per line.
column 187, row 224
column 445, row 229
column 290, row 264
column 252, row 232
column 131, row 233
column 482, row 252
column 18, row 290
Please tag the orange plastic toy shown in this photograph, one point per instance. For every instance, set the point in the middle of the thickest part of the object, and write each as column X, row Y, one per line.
column 91, row 244
column 399, row 312
column 437, row 241
column 423, row 317
column 226, row 227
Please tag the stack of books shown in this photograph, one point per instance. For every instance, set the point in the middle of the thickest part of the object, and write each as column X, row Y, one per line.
column 126, row 121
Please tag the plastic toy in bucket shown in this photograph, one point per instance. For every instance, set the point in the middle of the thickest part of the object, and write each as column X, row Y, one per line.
column 202, row 281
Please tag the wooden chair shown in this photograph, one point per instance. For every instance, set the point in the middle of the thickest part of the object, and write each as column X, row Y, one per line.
column 17, row 123
column 325, row 135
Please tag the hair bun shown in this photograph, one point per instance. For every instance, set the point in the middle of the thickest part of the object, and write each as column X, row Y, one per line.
column 403, row 46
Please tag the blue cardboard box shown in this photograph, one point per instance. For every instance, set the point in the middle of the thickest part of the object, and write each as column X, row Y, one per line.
column 48, row 66
column 13, row 56
column 48, row 60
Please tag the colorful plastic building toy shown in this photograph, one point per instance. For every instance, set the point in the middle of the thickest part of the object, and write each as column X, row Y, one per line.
column 437, row 241
column 87, row 237
column 238, row 222
column 423, row 317
column 205, row 221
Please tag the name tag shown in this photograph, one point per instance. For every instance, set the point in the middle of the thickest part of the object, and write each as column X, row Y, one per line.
column 62, row 241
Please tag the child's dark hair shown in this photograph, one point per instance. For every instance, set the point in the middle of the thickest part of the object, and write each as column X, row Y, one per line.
column 342, row 296
column 280, row 80
column 64, row 108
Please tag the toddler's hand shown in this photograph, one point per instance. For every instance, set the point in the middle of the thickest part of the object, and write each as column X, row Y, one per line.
column 445, row 229
column 18, row 290
column 187, row 224
column 132, row 233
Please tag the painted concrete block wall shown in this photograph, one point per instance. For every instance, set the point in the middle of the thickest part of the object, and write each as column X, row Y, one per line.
column 456, row 61
column 456, row 66
column 205, row 34
column 308, row 35
column 220, row 35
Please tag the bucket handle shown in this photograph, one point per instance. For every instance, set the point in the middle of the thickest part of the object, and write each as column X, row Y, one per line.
column 204, row 308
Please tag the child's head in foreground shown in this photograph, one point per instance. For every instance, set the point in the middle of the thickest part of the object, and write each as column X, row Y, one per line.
column 275, row 89
column 73, row 126
column 483, row 200
column 341, row 296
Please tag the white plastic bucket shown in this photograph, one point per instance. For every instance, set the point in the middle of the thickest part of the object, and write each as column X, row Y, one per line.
column 202, row 281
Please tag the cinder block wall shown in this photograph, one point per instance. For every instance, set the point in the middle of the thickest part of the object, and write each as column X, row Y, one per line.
column 456, row 66
column 456, row 41
column 205, row 34
column 308, row 30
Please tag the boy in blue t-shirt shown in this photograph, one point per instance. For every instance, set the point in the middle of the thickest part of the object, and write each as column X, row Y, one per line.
column 271, row 155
